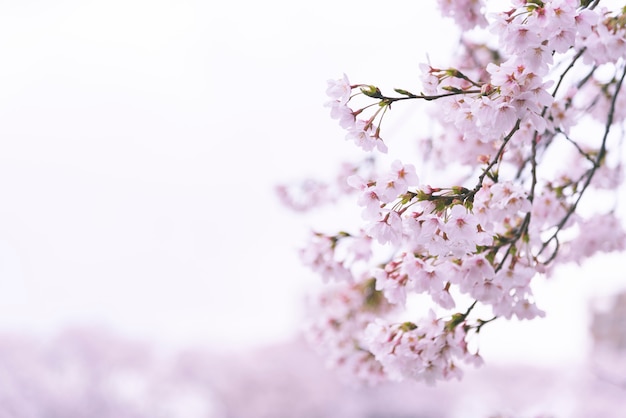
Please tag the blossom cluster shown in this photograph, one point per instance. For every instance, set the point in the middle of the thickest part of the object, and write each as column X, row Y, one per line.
column 529, row 88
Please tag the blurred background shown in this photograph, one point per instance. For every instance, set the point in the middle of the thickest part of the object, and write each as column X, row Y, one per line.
column 143, row 252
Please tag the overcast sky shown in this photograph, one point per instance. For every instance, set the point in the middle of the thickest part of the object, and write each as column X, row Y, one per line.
column 140, row 142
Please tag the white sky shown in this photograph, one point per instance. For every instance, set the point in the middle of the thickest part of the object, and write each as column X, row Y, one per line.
column 141, row 140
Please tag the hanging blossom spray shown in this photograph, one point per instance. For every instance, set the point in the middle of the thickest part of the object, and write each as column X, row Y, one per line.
column 537, row 123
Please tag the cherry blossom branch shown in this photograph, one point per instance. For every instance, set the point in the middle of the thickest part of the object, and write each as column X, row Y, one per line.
column 590, row 174
column 483, row 242
column 580, row 150
column 375, row 93
column 569, row 67
column 495, row 160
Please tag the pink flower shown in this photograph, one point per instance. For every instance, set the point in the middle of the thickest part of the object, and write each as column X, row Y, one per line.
column 367, row 197
column 339, row 90
column 461, row 224
column 363, row 134
column 466, row 13
column 342, row 113
column 396, row 182
column 387, row 230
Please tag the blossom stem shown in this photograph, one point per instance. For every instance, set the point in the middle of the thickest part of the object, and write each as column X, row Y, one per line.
column 410, row 96
column 591, row 173
column 569, row 67
column 495, row 160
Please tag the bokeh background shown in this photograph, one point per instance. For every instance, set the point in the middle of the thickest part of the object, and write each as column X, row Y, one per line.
column 140, row 145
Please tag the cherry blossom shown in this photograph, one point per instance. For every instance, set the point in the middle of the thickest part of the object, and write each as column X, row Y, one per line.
column 531, row 120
